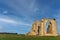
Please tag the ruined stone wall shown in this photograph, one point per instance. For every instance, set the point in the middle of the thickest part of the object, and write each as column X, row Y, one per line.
column 39, row 28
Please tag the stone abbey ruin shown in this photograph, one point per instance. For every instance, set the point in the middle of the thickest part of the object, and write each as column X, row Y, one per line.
column 45, row 27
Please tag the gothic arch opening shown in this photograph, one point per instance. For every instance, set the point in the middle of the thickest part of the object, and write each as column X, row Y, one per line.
column 38, row 30
column 47, row 26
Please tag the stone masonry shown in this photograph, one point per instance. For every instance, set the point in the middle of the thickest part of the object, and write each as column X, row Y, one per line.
column 39, row 28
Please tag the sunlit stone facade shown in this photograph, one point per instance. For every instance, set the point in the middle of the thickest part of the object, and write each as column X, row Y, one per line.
column 39, row 28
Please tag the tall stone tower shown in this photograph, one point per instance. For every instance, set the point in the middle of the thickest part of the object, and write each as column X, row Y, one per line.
column 39, row 28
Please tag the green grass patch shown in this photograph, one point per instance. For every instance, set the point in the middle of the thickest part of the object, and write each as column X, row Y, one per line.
column 23, row 37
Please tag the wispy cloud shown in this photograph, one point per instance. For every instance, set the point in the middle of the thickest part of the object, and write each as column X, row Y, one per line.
column 5, row 12
column 7, row 20
column 1, row 27
column 14, row 22
column 22, row 5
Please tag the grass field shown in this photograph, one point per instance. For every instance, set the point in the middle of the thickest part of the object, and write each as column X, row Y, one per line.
column 19, row 37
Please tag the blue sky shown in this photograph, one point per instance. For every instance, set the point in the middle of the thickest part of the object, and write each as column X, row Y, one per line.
column 19, row 15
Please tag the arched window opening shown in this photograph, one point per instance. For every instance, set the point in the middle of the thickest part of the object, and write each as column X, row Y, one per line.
column 47, row 26
column 38, row 29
